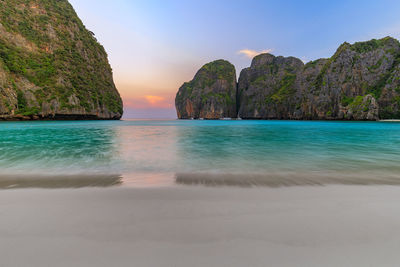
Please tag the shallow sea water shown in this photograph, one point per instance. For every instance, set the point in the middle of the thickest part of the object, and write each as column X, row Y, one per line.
column 169, row 152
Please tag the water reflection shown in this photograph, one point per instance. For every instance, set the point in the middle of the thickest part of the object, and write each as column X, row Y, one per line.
column 147, row 148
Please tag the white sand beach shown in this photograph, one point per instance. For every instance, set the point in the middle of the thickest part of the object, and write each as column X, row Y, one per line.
column 201, row 226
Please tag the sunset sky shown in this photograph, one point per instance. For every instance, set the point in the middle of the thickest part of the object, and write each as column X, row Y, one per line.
column 155, row 46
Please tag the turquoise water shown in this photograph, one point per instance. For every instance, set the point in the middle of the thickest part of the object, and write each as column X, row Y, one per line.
column 154, row 151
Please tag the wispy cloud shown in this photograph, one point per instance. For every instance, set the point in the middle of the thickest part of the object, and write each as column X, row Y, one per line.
column 153, row 99
column 252, row 53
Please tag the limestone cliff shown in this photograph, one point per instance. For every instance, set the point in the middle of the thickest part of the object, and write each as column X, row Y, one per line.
column 268, row 88
column 51, row 66
column 210, row 95
column 361, row 81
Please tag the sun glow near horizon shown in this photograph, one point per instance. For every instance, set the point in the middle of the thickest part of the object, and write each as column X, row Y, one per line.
column 155, row 46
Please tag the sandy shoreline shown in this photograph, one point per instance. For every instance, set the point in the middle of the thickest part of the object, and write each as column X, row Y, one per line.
column 199, row 226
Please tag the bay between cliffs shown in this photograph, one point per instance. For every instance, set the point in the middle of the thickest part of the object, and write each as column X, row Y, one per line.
column 199, row 193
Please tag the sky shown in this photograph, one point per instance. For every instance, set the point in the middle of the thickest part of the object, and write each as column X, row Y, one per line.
column 154, row 46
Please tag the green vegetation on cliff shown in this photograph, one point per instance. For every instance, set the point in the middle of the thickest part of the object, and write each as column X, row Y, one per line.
column 211, row 94
column 368, row 46
column 285, row 89
column 360, row 81
column 50, row 64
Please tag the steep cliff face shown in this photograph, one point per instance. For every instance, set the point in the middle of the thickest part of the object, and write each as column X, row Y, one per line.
column 51, row 66
column 210, row 95
column 350, row 84
column 355, row 83
column 268, row 88
column 360, row 81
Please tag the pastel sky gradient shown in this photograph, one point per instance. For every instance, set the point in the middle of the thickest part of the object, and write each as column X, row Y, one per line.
column 154, row 45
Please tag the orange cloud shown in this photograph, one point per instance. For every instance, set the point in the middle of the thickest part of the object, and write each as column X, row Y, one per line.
column 252, row 53
column 154, row 99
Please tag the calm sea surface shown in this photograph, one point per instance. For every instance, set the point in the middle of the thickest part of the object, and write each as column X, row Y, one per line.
column 166, row 152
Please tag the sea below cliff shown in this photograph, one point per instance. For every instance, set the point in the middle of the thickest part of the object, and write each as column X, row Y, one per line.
column 199, row 193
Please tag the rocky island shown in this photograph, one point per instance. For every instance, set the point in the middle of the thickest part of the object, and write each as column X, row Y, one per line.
column 51, row 66
column 361, row 81
column 211, row 94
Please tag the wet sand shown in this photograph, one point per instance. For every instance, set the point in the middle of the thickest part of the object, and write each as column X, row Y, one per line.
column 334, row 225
column 58, row 181
column 288, row 179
